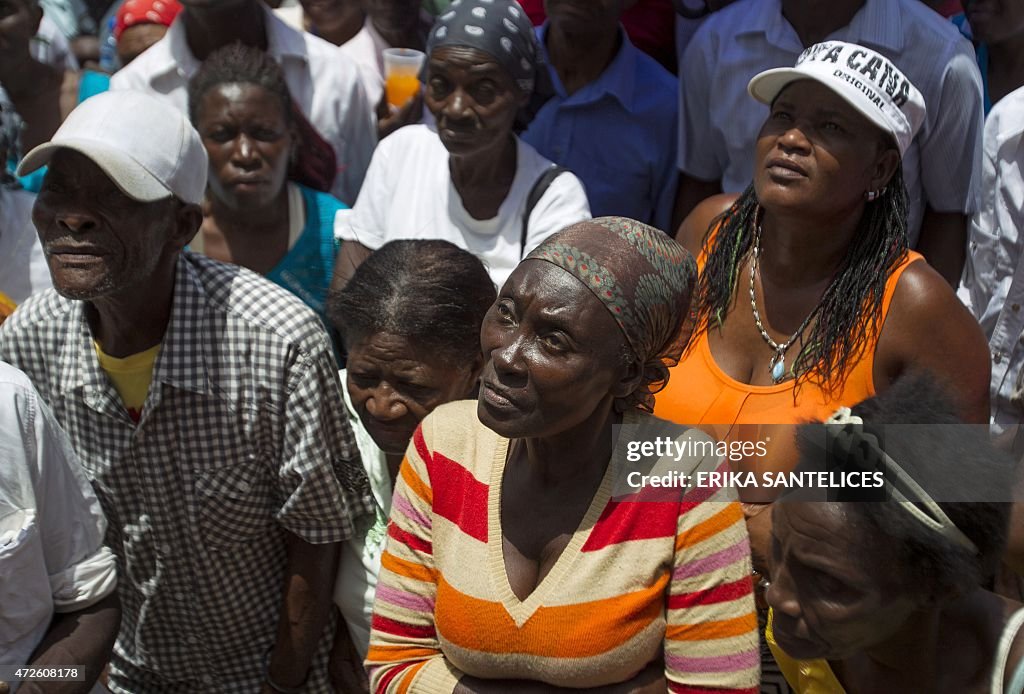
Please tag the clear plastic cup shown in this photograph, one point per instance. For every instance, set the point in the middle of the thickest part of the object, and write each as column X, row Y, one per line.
column 402, row 74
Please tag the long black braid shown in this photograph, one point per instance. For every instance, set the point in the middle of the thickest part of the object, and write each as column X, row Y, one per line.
column 847, row 317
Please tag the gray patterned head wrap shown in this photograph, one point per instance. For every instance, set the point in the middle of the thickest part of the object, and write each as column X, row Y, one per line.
column 499, row 28
column 643, row 277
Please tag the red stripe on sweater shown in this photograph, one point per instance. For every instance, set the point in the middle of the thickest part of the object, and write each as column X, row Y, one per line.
column 410, row 540
column 396, row 628
column 723, row 593
column 458, row 496
column 623, row 521
column 687, row 689
column 391, row 674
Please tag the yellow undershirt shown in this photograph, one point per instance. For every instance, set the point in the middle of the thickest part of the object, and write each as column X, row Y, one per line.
column 7, row 306
column 131, row 376
column 804, row 676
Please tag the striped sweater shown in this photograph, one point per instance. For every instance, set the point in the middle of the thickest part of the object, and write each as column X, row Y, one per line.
column 670, row 571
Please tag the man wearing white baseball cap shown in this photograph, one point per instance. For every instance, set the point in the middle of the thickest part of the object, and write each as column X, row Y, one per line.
column 809, row 298
column 198, row 396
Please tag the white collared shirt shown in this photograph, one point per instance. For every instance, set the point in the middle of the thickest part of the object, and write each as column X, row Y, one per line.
column 23, row 268
column 719, row 121
column 323, row 81
column 52, row 557
column 994, row 273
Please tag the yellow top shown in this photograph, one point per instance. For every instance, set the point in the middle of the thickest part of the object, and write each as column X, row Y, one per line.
column 131, row 376
column 7, row 306
column 804, row 676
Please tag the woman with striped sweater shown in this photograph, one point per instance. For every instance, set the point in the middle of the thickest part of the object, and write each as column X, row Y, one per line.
column 526, row 554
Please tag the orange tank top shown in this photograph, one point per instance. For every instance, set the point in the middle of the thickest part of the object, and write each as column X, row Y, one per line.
column 700, row 394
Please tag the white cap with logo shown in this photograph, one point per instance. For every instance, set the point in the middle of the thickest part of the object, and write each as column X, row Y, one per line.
column 146, row 146
column 863, row 78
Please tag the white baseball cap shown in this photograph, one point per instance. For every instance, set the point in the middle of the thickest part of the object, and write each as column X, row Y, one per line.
column 864, row 78
column 146, row 146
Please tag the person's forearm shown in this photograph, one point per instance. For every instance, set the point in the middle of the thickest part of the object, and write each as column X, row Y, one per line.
column 943, row 243
column 77, row 639
column 305, row 610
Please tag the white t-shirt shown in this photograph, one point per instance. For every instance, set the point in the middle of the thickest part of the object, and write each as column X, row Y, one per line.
column 23, row 268
column 408, row 194
column 52, row 557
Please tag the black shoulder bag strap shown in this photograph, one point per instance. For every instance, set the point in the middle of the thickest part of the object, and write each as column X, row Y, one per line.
column 536, row 193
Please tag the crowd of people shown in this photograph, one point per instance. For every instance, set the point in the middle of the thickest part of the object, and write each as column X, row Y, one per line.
column 306, row 390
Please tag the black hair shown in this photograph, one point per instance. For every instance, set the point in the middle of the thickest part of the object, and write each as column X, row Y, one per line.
column 846, row 321
column 432, row 293
column 954, row 463
column 238, row 64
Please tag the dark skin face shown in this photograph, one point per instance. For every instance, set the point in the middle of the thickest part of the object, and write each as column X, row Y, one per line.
column 394, row 15
column 98, row 241
column 554, row 355
column 994, row 21
column 326, row 17
column 19, row 21
column 249, row 142
column 136, row 39
column 829, row 601
column 816, row 154
column 394, row 384
column 472, row 98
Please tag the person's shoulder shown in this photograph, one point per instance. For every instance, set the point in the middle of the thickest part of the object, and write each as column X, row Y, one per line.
column 1006, row 120
column 453, row 429
column 12, row 382
column 922, row 20
column 694, row 229
column 242, row 295
column 42, row 311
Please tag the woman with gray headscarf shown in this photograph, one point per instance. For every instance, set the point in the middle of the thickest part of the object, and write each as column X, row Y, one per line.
column 538, row 541
column 468, row 180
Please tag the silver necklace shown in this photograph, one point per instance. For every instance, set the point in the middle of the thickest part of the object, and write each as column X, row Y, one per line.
column 777, row 364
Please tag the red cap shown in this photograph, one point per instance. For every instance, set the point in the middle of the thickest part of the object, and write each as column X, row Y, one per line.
column 134, row 12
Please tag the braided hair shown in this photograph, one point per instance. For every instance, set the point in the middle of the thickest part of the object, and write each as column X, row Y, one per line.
column 846, row 320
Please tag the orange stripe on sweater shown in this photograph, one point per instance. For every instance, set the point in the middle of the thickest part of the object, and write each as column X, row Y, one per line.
column 389, row 654
column 409, row 569
column 408, row 676
column 485, row 626
column 706, row 529
column 413, row 481
column 722, row 629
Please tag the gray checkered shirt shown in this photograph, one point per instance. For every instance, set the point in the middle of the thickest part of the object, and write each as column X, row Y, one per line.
column 243, row 437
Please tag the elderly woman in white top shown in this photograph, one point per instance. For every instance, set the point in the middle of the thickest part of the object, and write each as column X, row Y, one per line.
column 470, row 181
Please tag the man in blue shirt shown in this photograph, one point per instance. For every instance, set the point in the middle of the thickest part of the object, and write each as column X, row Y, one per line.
column 614, row 115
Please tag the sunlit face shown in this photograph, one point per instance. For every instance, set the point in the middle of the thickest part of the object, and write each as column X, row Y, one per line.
column 815, row 153
column 553, row 351
column 994, row 21
column 97, row 240
column 249, row 142
column 473, row 99
column 831, row 595
column 394, row 384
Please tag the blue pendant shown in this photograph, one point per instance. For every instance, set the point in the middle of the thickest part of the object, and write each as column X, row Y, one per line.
column 778, row 368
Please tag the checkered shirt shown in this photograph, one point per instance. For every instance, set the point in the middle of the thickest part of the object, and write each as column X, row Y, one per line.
column 243, row 437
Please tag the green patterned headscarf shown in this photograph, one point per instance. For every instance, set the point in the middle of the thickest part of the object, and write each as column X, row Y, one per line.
column 643, row 277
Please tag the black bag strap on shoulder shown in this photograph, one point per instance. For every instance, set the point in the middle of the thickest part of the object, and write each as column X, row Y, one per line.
column 534, row 196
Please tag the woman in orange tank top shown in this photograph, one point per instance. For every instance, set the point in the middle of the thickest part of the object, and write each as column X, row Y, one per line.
column 808, row 297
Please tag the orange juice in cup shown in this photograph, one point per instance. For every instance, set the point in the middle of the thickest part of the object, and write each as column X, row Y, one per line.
column 401, row 74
